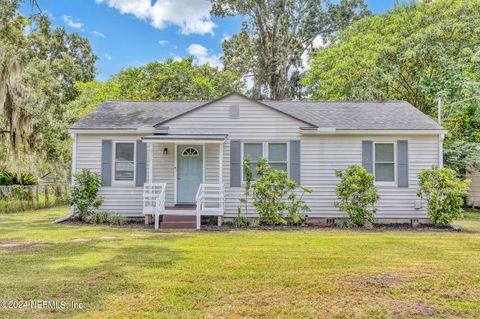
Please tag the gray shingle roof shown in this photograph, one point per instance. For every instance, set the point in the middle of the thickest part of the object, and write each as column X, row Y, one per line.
column 391, row 115
column 133, row 114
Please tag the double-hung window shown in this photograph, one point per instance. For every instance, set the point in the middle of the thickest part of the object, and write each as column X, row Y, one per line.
column 384, row 168
column 276, row 154
column 124, row 161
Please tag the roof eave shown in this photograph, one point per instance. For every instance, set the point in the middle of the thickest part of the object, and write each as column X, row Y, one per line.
column 334, row 131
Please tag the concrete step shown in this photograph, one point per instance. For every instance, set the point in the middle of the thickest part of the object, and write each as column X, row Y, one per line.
column 178, row 225
column 179, row 218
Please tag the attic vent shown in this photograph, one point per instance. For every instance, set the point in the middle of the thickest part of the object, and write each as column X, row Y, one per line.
column 234, row 112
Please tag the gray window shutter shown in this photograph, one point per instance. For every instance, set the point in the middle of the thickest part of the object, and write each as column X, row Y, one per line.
column 295, row 161
column 141, row 163
column 106, row 162
column 402, row 163
column 367, row 156
column 235, row 163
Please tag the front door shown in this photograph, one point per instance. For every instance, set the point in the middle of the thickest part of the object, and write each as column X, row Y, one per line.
column 189, row 172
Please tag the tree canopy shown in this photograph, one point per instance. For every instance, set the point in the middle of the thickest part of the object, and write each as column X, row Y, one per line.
column 169, row 80
column 275, row 37
column 39, row 67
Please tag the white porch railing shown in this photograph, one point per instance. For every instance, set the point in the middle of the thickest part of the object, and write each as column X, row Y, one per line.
column 154, row 200
column 210, row 201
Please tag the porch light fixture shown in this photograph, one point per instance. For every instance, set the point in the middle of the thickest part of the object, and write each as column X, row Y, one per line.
column 165, row 151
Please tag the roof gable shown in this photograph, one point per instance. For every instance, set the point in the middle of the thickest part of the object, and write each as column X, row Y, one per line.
column 242, row 96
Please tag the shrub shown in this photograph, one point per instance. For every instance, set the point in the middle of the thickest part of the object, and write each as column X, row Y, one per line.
column 357, row 194
column 8, row 178
column 247, row 170
column 297, row 207
column 269, row 192
column 84, row 193
column 106, row 218
column 444, row 192
column 240, row 221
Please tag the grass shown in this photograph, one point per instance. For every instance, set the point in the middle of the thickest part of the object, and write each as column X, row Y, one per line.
column 137, row 273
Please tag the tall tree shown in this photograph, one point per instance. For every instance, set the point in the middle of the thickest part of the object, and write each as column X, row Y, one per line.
column 38, row 71
column 277, row 34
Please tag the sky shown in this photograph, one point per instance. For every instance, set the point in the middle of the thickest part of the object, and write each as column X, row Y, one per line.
column 127, row 33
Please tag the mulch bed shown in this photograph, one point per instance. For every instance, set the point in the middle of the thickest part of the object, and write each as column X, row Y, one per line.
column 140, row 223
column 332, row 227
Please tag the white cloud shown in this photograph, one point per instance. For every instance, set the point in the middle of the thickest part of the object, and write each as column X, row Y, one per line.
column 191, row 16
column 98, row 34
column 107, row 56
column 162, row 42
column 202, row 56
column 69, row 21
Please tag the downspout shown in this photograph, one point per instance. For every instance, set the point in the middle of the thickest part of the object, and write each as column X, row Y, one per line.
column 73, row 171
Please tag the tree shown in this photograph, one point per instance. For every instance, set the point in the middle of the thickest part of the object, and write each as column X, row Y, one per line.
column 38, row 71
column 276, row 36
column 444, row 192
column 413, row 53
column 169, row 80
column 462, row 157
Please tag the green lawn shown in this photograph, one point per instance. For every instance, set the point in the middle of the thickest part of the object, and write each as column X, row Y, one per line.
column 242, row 274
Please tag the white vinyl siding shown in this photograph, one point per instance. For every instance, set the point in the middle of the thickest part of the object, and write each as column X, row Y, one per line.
column 122, row 199
column 474, row 196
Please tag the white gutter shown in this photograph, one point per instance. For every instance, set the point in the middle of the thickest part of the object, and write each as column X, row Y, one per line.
column 334, row 131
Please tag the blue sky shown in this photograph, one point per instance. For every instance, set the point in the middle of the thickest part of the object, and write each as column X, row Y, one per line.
column 133, row 32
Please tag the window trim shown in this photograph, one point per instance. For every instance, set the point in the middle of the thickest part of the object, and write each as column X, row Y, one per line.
column 386, row 183
column 264, row 153
column 114, row 154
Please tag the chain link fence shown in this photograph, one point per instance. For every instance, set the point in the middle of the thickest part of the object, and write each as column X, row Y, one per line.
column 17, row 198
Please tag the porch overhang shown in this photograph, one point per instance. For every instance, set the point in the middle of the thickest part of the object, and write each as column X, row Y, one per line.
column 186, row 138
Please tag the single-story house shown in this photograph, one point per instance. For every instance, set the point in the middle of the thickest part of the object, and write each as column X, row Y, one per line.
column 185, row 158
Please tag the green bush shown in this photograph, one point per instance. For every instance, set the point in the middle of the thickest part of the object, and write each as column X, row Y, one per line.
column 240, row 221
column 84, row 193
column 106, row 218
column 8, row 178
column 444, row 192
column 297, row 207
column 269, row 193
column 357, row 194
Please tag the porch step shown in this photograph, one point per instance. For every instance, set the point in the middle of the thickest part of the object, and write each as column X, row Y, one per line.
column 178, row 222
column 179, row 218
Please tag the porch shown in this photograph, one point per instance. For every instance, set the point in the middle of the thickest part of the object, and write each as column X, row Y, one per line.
column 184, row 178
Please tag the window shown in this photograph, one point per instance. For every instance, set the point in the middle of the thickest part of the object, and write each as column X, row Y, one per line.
column 384, row 162
column 190, row 152
column 276, row 154
column 254, row 151
column 124, row 161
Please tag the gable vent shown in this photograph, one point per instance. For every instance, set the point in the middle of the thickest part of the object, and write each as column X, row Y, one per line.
column 234, row 112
